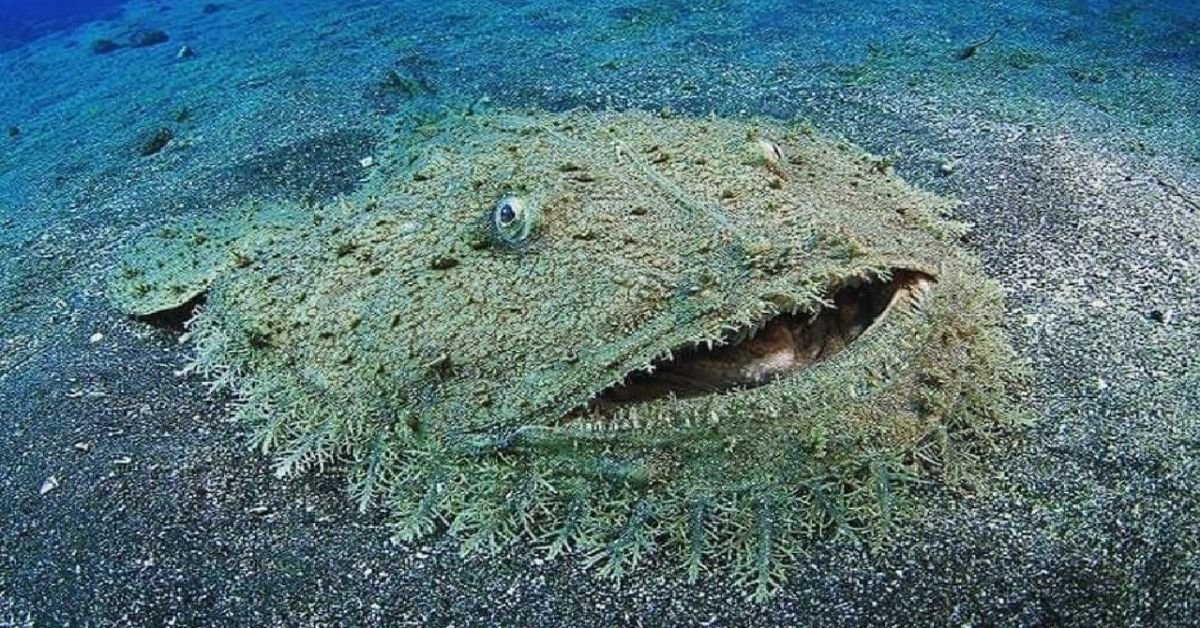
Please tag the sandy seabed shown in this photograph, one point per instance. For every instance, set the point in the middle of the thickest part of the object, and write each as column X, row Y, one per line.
column 1070, row 140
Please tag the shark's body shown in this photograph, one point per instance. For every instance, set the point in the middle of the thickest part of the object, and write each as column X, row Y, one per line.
column 613, row 332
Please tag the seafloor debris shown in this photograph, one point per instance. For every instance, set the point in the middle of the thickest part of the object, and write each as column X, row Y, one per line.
column 616, row 334
column 155, row 141
column 50, row 484
column 145, row 37
column 972, row 49
column 104, row 46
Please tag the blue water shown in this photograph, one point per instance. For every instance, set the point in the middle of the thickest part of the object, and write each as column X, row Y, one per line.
column 24, row 20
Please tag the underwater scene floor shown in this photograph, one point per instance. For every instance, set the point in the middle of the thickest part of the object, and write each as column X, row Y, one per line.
column 1067, row 133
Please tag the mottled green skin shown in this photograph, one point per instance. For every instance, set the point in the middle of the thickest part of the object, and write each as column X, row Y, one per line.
column 440, row 357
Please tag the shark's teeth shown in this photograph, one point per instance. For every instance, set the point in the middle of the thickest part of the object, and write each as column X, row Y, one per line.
column 904, row 293
column 917, row 294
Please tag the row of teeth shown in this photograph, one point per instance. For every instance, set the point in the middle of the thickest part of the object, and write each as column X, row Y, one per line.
column 913, row 295
column 627, row 418
column 749, row 332
column 916, row 294
column 912, row 298
column 743, row 333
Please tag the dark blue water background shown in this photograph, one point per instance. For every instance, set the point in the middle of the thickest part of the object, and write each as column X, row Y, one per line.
column 23, row 20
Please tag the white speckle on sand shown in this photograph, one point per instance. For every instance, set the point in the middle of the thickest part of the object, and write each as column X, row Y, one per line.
column 48, row 485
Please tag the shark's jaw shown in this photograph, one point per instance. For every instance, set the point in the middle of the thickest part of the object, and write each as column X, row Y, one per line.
column 776, row 347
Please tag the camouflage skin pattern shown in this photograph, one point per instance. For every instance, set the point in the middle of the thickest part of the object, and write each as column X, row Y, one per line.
column 456, row 337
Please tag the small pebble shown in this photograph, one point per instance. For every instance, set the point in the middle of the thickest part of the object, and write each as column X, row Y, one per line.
column 50, row 484
column 443, row 262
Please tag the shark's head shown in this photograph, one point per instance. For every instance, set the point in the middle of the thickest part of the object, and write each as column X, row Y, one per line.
column 615, row 331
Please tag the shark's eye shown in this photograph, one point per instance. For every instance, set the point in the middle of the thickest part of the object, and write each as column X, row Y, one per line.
column 511, row 220
column 505, row 214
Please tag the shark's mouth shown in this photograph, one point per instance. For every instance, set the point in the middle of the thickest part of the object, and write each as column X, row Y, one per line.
column 776, row 347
